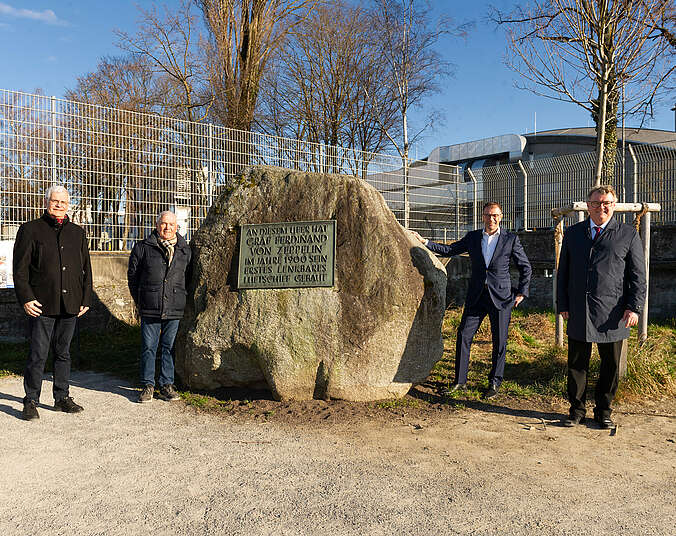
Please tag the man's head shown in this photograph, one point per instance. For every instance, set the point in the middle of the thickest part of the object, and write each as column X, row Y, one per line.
column 57, row 201
column 492, row 216
column 601, row 203
column 166, row 225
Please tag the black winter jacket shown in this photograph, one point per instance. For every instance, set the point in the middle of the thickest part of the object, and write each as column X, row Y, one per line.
column 159, row 291
column 51, row 266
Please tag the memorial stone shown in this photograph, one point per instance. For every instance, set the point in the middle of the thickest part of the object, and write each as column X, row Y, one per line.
column 371, row 333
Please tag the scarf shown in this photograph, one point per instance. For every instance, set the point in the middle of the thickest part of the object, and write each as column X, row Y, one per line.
column 168, row 245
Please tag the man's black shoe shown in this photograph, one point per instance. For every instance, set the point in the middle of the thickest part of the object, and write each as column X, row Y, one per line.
column 573, row 420
column 456, row 387
column 492, row 391
column 30, row 411
column 604, row 422
column 168, row 393
column 67, row 405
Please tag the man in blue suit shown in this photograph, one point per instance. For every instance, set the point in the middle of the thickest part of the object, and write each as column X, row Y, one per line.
column 490, row 291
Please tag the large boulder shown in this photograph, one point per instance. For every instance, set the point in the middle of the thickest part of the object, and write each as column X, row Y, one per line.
column 371, row 336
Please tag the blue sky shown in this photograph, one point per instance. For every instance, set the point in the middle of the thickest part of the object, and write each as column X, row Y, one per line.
column 48, row 44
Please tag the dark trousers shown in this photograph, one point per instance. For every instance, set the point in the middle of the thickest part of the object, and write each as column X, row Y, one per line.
column 579, row 353
column 156, row 332
column 46, row 331
column 469, row 324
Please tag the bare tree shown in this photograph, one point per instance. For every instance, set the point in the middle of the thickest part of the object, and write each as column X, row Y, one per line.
column 587, row 52
column 243, row 36
column 169, row 43
column 316, row 89
column 414, row 67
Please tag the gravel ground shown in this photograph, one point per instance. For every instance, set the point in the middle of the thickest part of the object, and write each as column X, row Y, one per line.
column 164, row 468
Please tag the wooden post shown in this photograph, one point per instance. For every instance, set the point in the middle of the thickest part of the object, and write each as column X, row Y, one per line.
column 623, row 359
column 558, row 238
column 645, row 238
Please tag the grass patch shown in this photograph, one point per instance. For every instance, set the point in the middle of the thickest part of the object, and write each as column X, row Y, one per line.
column 398, row 403
column 651, row 367
column 115, row 351
column 536, row 367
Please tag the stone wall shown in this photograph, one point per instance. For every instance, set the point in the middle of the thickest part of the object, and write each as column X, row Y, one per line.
column 111, row 299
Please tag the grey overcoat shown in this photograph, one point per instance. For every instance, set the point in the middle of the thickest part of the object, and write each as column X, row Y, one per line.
column 598, row 280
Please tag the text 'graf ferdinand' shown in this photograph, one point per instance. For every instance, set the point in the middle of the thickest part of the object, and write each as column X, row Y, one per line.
column 289, row 254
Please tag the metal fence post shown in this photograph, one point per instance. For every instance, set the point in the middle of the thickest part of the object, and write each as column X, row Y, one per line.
column 525, row 195
column 475, row 224
column 634, row 173
column 53, row 151
column 407, row 206
column 210, row 169
column 457, row 209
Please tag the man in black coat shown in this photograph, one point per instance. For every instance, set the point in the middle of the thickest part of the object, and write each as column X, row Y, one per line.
column 53, row 282
column 601, row 289
column 157, row 281
column 490, row 291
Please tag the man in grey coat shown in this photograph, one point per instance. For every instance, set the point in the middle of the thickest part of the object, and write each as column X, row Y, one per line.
column 601, row 289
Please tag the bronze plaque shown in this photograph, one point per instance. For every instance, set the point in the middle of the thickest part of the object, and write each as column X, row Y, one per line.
column 287, row 255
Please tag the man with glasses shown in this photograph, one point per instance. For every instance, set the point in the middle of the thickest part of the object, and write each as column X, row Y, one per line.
column 53, row 283
column 490, row 291
column 601, row 289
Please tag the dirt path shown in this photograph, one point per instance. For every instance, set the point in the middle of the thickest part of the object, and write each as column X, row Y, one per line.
column 124, row 468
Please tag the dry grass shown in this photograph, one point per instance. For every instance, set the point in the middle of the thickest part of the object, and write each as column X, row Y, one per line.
column 537, row 367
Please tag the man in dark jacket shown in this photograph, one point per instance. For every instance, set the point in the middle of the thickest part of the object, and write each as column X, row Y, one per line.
column 53, row 282
column 157, row 282
column 490, row 291
column 601, row 288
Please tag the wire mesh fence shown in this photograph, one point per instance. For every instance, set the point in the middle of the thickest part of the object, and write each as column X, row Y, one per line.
column 123, row 167
column 647, row 176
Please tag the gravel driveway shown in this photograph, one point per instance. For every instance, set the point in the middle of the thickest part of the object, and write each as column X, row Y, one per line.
column 164, row 468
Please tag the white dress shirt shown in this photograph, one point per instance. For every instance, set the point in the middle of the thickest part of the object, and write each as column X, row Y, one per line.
column 488, row 243
column 594, row 226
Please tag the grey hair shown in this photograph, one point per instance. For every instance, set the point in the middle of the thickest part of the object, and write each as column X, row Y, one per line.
column 159, row 216
column 53, row 189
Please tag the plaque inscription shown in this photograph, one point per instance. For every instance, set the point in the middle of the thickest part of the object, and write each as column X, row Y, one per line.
column 287, row 255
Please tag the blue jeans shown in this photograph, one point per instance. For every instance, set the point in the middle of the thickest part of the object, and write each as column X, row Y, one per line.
column 154, row 332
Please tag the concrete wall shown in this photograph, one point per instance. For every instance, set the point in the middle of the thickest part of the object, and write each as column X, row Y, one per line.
column 539, row 246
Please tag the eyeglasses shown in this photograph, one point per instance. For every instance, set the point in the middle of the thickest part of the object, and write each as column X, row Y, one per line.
column 597, row 204
column 58, row 202
column 492, row 216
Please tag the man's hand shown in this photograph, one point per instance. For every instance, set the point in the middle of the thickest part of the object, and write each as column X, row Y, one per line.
column 518, row 300
column 83, row 310
column 33, row 308
column 630, row 318
column 418, row 237
column 564, row 314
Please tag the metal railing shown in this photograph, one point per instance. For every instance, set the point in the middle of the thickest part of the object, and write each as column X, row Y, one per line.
column 123, row 167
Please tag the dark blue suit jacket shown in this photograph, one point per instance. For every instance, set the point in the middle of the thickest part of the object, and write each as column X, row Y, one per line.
column 496, row 277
